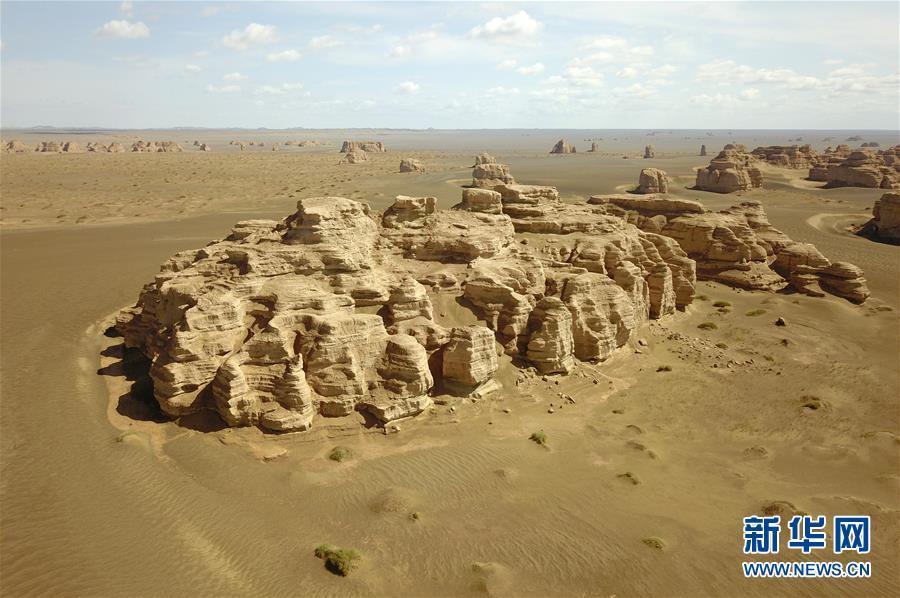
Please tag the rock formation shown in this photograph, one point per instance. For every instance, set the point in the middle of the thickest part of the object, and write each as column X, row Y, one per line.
column 885, row 222
column 731, row 170
column 115, row 147
column 787, row 156
column 487, row 173
column 818, row 171
column 594, row 147
column 703, row 149
column 652, row 180
column 562, row 147
column 867, row 168
column 142, row 146
column 48, row 147
column 649, row 152
column 204, row 148
column 366, row 146
column 329, row 310
column 16, row 147
column 356, row 156
column 411, row 165
column 71, row 147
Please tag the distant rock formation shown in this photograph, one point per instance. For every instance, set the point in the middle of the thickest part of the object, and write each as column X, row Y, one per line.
column 787, row 156
column 204, row 148
column 731, row 170
column 703, row 149
column 196, row 143
column 871, row 144
column 594, row 147
column 48, row 147
column 96, row 147
column 16, row 147
column 885, row 223
column 831, row 157
column 142, row 146
column 411, row 165
column 366, row 146
column 866, row 168
column 71, row 147
column 649, row 152
column 562, row 147
column 356, row 156
column 115, row 147
column 652, row 180
column 487, row 173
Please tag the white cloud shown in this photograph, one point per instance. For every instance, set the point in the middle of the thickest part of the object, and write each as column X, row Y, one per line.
column 627, row 73
column 284, row 56
column 750, row 94
column 234, row 77
column 583, row 76
column 642, row 50
column 503, row 91
column 534, row 69
column 634, row 91
column 124, row 29
column 127, row 8
column 407, row 87
column 253, row 34
column 277, row 90
column 201, row 53
column 399, row 52
column 322, row 42
column 832, row 61
column 729, row 72
column 223, row 89
column 506, row 64
column 518, row 25
column 192, row 68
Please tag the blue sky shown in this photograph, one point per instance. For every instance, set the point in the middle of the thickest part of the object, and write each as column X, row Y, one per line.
column 450, row 65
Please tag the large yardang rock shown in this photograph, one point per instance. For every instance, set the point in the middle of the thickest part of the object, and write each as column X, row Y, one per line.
column 115, row 148
column 652, row 180
column 885, row 223
column 703, row 149
column 411, row 165
column 603, row 316
column 649, row 152
column 16, row 147
column 484, row 158
column 867, row 168
column 469, row 359
column 844, row 280
column 355, row 156
column 595, row 147
column 563, row 147
column 787, row 156
column 71, row 147
column 204, row 148
column 366, row 146
column 731, row 170
column 831, row 157
column 488, row 175
column 142, row 146
column 48, row 147
column 649, row 205
column 550, row 346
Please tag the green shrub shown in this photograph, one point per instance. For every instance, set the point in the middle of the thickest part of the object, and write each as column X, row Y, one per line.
column 664, row 368
column 721, row 304
column 707, row 326
column 539, row 438
column 722, row 345
column 340, row 561
column 340, row 453
column 756, row 312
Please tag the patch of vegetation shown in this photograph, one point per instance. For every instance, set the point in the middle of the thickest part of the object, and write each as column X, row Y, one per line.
column 701, row 298
column 769, row 358
column 539, row 438
column 340, row 454
column 340, row 561
column 707, row 326
column 721, row 304
column 664, row 368
column 755, row 312
column 722, row 345
column 654, row 542
column 415, row 515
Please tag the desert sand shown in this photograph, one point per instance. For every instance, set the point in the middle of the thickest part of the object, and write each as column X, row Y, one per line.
column 647, row 471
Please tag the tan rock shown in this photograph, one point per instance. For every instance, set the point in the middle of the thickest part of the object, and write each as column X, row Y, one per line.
column 365, row 146
column 355, row 156
column 652, row 180
column 731, row 170
column 563, row 147
column 649, row 152
column 885, row 222
column 469, row 359
column 411, row 165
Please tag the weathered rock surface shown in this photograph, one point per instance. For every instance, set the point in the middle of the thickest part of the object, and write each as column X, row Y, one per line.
column 787, row 156
column 649, row 152
column 885, row 222
column 356, row 156
column 595, row 147
column 16, row 147
column 411, row 165
column 563, row 147
column 867, row 168
column 731, row 170
column 330, row 310
column 652, row 180
column 366, row 146
column 155, row 146
column 488, row 173
column 703, row 149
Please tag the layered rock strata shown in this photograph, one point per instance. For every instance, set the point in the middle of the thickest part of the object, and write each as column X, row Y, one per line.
column 366, row 146
column 731, row 170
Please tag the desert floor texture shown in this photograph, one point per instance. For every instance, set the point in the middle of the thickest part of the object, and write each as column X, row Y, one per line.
column 640, row 490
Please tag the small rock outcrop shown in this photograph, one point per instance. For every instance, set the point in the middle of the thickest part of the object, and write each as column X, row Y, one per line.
column 652, row 180
column 787, row 156
column 204, row 148
column 563, row 147
column 356, row 156
column 595, row 147
column 818, row 171
column 141, row 146
column 488, row 173
column 703, row 149
column 115, row 148
column 649, row 152
column 71, row 147
column 731, row 170
column 16, row 147
column 366, row 146
column 48, row 147
column 885, row 223
column 411, row 165
column 867, row 168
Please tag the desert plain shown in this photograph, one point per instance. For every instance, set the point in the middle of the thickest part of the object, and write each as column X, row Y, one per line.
column 653, row 456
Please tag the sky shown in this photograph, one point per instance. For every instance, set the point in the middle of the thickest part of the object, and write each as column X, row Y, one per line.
column 451, row 65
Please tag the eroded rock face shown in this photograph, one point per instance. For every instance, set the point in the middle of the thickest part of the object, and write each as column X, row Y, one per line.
column 731, row 170
column 867, row 168
column 787, row 156
column 330, row 310
column 595, row 147
column 652, row 180
column 142, row 146
column 16, row 147
column 703, row 149
column 356, row 156
column 488, row 175
column 366, row 146
column 411, row 165
column 818, row 171
column 885, row 222
column 649, row 152
column 563, row 147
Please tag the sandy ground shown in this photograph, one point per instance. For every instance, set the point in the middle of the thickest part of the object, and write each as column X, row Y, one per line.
column 640, row 490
